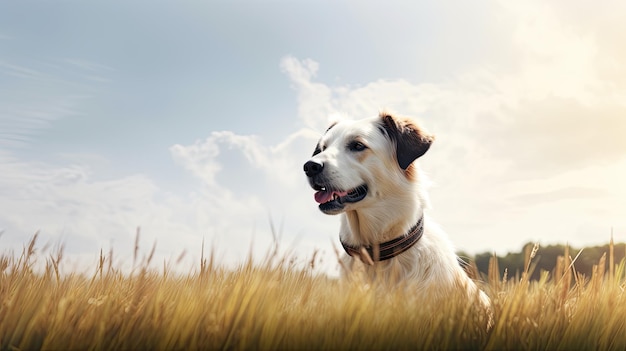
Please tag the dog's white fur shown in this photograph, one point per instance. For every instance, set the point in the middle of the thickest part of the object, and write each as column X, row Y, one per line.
column 395, row 201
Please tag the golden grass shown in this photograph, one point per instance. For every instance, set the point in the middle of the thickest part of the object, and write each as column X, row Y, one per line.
column 276, row 306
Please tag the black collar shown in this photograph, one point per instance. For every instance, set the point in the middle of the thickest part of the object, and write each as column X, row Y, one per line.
column 388, row 249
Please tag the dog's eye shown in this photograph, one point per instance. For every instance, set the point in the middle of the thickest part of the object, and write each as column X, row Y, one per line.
column 356, row 146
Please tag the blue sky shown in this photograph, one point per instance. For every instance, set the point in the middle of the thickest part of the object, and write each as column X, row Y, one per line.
column 192, row 120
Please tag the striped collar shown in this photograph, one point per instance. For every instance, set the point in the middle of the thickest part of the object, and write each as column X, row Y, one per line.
column 389, row 249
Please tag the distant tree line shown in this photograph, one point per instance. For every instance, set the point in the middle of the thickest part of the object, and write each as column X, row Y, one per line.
column 546, row 259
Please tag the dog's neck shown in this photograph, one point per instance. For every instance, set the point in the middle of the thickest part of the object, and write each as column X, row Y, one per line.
column 388, row 249
column 391, row 219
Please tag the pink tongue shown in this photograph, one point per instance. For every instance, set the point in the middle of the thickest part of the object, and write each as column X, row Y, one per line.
column 325, row 196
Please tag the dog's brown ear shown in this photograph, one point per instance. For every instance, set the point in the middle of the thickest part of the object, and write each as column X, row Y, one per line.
column 411, row 141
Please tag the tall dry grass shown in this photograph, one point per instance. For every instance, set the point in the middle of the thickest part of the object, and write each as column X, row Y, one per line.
column 276, row 306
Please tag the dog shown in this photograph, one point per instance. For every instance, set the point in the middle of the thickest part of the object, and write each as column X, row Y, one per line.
column 366, row 171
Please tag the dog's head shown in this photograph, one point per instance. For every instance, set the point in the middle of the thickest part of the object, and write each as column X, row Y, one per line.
column 357, row 163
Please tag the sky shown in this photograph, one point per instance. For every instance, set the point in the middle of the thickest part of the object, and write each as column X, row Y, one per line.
column 190, row 121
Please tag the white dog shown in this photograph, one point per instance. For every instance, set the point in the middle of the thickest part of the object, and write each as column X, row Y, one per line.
column 365, row 170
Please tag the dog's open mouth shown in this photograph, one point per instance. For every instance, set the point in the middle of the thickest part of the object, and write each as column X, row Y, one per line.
column 332, row 200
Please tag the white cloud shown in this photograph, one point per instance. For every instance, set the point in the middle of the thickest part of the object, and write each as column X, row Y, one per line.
column 199, row 159
column 39, row 95
column 66, row 203
column 313, row 98
column 88, row 65
column 64, row 200
column 17, row 70
column 279, row 194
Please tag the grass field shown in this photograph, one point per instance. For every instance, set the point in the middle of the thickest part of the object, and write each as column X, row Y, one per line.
column 273, row 305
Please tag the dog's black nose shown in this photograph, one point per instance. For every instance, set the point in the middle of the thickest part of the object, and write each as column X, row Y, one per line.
column 313, row 168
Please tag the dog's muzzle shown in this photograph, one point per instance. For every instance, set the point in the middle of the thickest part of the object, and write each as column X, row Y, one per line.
column 331, row 199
